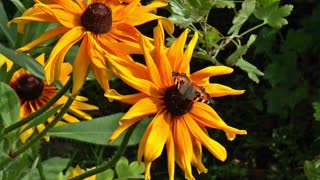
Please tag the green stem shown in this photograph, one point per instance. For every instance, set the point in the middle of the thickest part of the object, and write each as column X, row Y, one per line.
column 114, row 159
column 38, row 112
column 252, row 29
column 40, row 135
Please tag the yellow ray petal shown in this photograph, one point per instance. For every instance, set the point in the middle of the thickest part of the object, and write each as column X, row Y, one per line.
column 52, row 68
column 183, row 145
column 153, row 70
column 144, row 107
column 197, row 156
column 134, row 74
column 130, row 99
column 207, row 117
column 3, row 60
column 81, row 63
column 66, row 18
column 161, row 59
column 175, row 52
column 159, row 132
column 202, row 76
column 185, row 65
column 45, row 37
column 170, row 156
column 70, row 119
column 218, row 90
column 214, row 147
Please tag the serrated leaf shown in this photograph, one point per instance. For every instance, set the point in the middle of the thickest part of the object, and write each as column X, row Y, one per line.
column 272, row 14
column 238, row 53
column 247, row 9
column 252, row 71
column 316, row 107
column 106, row 175
column 125, row 170
column 186, row 12
column 9, row 105
column 98, row 131
column 224, row 4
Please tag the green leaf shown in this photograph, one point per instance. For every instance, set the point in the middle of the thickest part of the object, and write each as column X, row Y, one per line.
column 273, row 15
column 126, row 171
column 32, row 173
column 53, row 166
column 316, row 106
column 9, row 105
column 186, row 12
column 247, row 9
column 23, row 61
column 237, row 54
column 98, row 131
column 7, row 32
column 3, row 71
column 42, row 118
column 224, row 4
column 253, row 71
column 106, row 175
column 312, row 169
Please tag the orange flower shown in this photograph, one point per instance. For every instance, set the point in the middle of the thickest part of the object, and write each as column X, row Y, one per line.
column 179, row 100
column 106, row 23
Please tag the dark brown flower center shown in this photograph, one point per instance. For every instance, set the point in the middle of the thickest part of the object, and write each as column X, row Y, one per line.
column 97, row 18
column 29, row 87
column 176, row 103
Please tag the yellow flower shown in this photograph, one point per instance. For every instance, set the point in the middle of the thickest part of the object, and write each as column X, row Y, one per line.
column 179, row 100
column 77, row 171
column 34, row 93
column 106, row 23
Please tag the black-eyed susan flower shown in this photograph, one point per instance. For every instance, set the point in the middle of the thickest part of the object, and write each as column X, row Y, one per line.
column 106, row 23
column 179, row 100
column 34, row 93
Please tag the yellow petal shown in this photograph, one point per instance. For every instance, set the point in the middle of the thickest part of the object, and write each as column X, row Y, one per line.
column 207, row 117
column 144, row 107
column 161, row 59
column 218, row 90
column 202, row 76
column 183, row 144
column 44, row 37
column 175, row 52
column 214, row 147
column 130, row 99
column 81, row 64
column 185, row 65
column 3, row 60
column 197, row 156
column 170, row 156
column 159, row 132
column 134, row 74
column 52, row 68
column 153, row 70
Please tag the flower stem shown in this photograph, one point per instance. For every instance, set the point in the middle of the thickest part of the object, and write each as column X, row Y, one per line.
column 40, row 135
column 43, row 109
column 114, row 159
column 252, row 29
